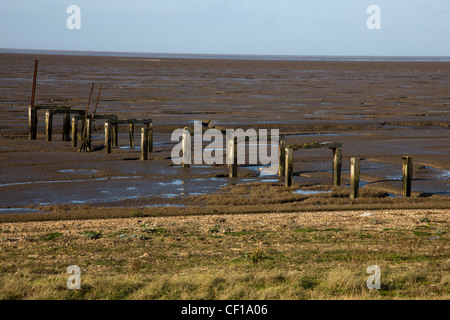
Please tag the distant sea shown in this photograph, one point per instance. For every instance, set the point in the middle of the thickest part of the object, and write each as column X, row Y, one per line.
column 230, row 56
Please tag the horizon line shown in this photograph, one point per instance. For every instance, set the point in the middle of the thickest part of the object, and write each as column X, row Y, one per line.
column 137, row 53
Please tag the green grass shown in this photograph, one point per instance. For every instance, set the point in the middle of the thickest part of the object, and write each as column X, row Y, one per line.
column 51, row 236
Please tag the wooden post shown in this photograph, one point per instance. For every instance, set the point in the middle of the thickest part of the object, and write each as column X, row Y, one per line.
column 66, row 127
column 74, row 131
column 115, row 135
column 131, row 129
column 32, row 121
column 32, row 112
column 355, row 170
column 186, row 147
column 144, row 143
column 337, row 166
column 407, row 175
column 33, row 91
column 289, row 166
column 88, row 135
column 48, row 125
column 108, row 137
column 232, row 157
column 150, row 137
column 281, row 155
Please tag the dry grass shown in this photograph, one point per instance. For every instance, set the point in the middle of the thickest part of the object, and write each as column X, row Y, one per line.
column 304, row 255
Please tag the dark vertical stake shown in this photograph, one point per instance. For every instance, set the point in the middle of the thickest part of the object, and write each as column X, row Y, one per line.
column 289, row 166
column 32, row 114
column 337, row 166
column 131, row 135
column 66, row 127
column 407, row 175
column 355, row 170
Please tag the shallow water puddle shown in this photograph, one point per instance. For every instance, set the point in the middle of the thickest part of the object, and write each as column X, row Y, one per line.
column 264, row 170
column 78, row 171
column 309, row 192
column 66, row 181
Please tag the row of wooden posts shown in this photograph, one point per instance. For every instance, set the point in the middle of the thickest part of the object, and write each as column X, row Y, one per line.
column 355, row 168
column 286, row 154
column 70, row 128
column 286, row 164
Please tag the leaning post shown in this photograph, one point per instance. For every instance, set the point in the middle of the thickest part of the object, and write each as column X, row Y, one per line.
column 32, row 111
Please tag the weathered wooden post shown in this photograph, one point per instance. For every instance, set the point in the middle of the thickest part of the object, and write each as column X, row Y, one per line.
column 115, row 134
column 281, row 155
column 32, row 111
column 74, row 131
column 232, row 157
column 88, row 134
column 32, row 122
column 355, row 170
column 144, row 143
column 66, row 127
column 289, row 166
column 186, row 148
column 48, row 125
column 150, row 137
column 407, row 175
column 131, row 130
column 337, row 166
column 108, row 137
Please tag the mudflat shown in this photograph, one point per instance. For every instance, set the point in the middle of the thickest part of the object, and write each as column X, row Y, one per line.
column 379, row 111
